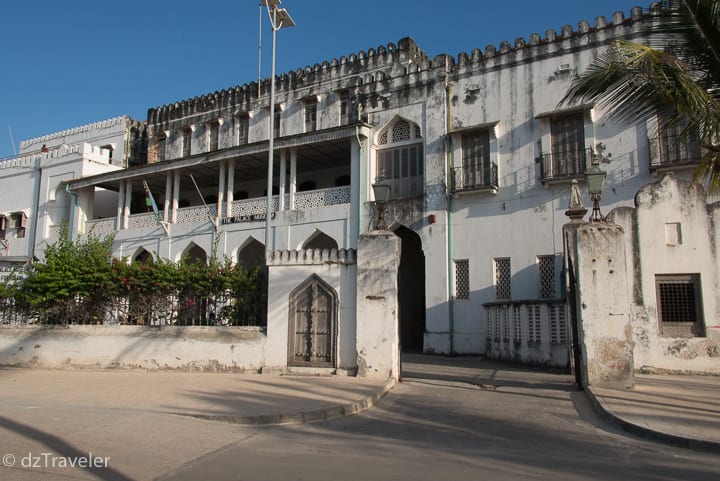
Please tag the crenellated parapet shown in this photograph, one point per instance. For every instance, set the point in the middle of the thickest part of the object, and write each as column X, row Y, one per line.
column 556, row 42
column 311, row 257
column 363, row 67
column 89, row 128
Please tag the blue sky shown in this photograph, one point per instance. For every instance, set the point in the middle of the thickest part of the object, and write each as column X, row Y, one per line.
column 69, row 63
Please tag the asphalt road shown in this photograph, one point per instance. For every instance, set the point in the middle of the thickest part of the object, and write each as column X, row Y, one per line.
column 457, row 419
column 456, row 425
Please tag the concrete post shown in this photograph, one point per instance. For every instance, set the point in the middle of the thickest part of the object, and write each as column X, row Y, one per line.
column 378, row 338
column 602, row 303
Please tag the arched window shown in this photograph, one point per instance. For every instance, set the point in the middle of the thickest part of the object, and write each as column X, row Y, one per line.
column 195, row 254
column 320, row 240
column 251, row 255
column 400, row 159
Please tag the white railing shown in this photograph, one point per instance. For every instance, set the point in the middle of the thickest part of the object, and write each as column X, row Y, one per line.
column 192, row 215
column 100, row 226
column 528, row 331
column 246, row 207
column 322, row 197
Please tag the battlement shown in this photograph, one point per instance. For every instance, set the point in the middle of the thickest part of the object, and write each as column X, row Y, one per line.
column 379, row 64
column 96, row 126
column 64, row 152
column 311, row 257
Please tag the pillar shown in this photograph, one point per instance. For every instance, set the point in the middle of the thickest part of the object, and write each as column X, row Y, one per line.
column 378, row 334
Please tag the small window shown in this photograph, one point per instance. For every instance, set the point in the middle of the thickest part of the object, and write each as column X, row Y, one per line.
column 20, row 224
column 345, row 107
column 502, row 278
column 3, row 226
column 310, row 115
column 161, row 147
column 214, row 136
column 462, row 279
column 276, row 124
column 679, row 305
column 243, row 128
column 568, row 157
column 186, row 142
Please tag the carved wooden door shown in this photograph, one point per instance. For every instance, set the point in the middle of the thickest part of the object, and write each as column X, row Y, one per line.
column 313, row 307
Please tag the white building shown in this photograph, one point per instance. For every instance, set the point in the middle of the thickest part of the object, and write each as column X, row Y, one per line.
column 477, row 152
column 34, row 202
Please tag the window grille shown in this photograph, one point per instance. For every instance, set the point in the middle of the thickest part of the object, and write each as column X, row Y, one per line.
column 546, row 282
column 679, row 305
column 506, row 323
column 462, row 280
column 534, row 323
column 502, row 278
column 401, row 131
column 558, row 324
column 517, row 324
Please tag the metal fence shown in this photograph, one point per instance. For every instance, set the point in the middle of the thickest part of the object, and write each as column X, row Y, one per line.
column 245, row 308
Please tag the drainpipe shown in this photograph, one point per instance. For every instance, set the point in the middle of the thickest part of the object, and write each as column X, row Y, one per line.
column 449, row 202
column 73, row 209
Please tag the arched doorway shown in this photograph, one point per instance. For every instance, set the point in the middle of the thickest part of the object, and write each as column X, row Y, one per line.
column 411, row 290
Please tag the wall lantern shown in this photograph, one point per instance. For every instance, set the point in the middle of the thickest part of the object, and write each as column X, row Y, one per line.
column 595, row 179
column 381, row 190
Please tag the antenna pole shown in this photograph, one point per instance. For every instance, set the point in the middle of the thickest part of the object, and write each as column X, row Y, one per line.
column 12, row 141
column 260, row 13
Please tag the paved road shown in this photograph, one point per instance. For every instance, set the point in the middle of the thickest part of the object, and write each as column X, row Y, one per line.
column 457, row 419
column 456, row 424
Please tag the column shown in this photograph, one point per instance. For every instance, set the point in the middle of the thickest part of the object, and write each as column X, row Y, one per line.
column 220, row 192
column 293, row 178
column 120, row 206
column 128, row 200
column 281, row 192
column 176, row 195
column 168, row 197
column 229, row 196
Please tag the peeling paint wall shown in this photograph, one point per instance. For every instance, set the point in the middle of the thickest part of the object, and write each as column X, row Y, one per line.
column 672, row 230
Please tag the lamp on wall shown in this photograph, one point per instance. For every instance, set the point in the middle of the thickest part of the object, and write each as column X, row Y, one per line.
column 381, row 190
column 279, row 18
column 595, row 178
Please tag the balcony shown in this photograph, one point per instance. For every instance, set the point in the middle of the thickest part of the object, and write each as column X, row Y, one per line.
column 669, row 152
column 242, row 210
column 564, row 166
column 482, row 178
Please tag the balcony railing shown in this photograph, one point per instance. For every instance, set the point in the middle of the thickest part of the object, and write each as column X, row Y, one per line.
column 673, row 151
column 475, row 178
column 240, row 208
column 565, row 165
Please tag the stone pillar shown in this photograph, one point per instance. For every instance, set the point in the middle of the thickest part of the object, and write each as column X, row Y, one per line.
column 229, row 196
column 293, row 178
column 220, row 193
column 596, row 255
column 378, row 339
column 126, row 207
column 281, row 187
column 168, row 196
column 176, row 196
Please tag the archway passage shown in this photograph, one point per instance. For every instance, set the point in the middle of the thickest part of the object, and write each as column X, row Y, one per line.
column 411, row 291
